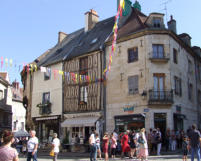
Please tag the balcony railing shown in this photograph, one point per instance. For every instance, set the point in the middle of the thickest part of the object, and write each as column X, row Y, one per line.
column 159, row 57
column 160, row 97
column 45, row 109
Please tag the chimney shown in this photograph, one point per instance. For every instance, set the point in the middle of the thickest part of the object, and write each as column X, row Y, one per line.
column 172, row 25
column 61, row 36
column 91, row 18
column 185, row 38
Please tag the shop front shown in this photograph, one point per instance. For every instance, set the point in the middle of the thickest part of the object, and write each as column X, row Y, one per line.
column 130, row 122
column 45, row 127
column 77, row 130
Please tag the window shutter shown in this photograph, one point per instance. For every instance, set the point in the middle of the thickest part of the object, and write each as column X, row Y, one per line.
column 133, row 84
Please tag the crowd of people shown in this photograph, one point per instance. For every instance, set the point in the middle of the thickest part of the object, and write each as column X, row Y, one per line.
column 133, row 144
column 138, row 144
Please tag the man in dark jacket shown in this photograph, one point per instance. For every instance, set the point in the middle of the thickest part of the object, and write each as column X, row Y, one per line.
column 195, row 140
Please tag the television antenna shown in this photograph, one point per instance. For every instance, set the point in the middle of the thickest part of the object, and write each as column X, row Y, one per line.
column 165, row 8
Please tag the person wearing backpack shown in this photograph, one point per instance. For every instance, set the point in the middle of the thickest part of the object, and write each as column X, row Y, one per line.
column 143, row 147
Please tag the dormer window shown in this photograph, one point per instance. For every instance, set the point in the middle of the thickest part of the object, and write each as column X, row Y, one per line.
column 157, row 22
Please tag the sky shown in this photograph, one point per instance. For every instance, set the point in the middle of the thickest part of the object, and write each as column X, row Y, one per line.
column 28, row 28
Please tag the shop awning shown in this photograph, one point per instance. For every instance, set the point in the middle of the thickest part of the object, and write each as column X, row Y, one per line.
column 79, row 122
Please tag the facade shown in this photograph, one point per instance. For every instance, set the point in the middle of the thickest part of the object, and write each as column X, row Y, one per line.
column 18, row 110
column 154, row 79
column 154, row 69
column 5, row 103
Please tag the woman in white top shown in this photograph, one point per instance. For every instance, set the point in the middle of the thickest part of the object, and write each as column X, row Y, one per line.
column 55, row 144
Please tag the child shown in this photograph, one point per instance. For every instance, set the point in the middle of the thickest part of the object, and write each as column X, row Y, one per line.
column 98, row 145
column 185, row 148
column 24, row 149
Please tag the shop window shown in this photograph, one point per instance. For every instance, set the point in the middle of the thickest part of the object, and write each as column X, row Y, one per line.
column 190, row 91
column 83, row 95
column 133, row 84
column 77, row 132
column 46, row 98
column 132, row 55
column 47, row 74
column 158, row 51
column 175, row 56
column 178, row 86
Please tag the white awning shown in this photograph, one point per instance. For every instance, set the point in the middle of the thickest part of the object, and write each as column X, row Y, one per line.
column 79, row 122
column 47, row 118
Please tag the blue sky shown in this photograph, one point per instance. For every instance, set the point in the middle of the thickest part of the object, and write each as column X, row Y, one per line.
column 29, row 27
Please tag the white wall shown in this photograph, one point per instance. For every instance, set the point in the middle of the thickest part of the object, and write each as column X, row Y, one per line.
column 54, row 86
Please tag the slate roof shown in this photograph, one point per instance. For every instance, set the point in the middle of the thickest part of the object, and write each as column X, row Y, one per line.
column 80, row 42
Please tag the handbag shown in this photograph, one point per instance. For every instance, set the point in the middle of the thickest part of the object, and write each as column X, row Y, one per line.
column 52, row 152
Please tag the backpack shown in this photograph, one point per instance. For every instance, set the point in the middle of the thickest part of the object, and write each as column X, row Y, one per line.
column 141, row 140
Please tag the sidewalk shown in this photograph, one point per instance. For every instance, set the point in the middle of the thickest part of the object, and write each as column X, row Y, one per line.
column 86, row 155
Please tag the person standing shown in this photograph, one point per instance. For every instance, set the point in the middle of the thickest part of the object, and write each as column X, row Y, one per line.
column 92, row 144
column 195, row 141
column 98, row 145
column 132, row 143
column 32, row 146
column 143, row 147
column 55, row 144
column 7, row 153
column 124, row 144
column 113, row 145
column 105, row 145
column 185, row 148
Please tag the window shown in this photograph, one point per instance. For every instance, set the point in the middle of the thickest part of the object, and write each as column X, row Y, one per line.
column 46, row 98
column 47, row 74
column 84, row 66
column 190, row 91
column 175, row 55
column 77, row 132
column 83, row 95
column 158, row 51
column 157, row 22
column 199, row 72
column 199, row 97
column 22, row 125
column 1, row 94
column 178, row 87
column 190, row 67
column 133, row 84
column 132, row 55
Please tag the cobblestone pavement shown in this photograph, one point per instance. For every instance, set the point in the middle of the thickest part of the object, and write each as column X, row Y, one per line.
column 151, row 158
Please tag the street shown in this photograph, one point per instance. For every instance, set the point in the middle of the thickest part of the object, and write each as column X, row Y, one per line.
column 151, row 158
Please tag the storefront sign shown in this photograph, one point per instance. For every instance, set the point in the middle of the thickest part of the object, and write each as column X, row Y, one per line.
column 146, row 110
column 129, row 109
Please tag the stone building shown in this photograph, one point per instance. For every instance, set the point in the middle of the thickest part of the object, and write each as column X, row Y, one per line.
column 5, row 102
column 154, row 68
column 154, row 79
column 18, row 110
